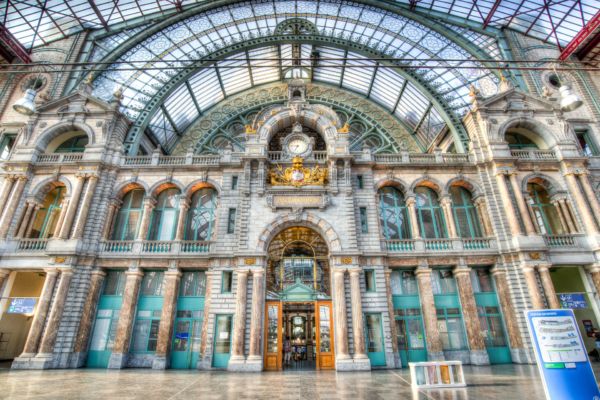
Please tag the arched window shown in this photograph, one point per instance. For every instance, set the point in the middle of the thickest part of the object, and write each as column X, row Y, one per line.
column 76, row 144
column 464, row 212
column 393, row 215
column 544, row 212
column 164, row 216
column 201, row 216
column 429, row 213
column 129, row 216
column 47, row 216
column 518, row 141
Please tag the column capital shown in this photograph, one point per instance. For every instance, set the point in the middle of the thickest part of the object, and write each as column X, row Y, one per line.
column 410, row 200
column 445, row 200
column 543, row 267
column 66, row 271
column 242, row 271
column 149, row 201
column 339, row 270
column 172, row 273
column 461, row 269
column 135, row 273
column 593, row 268
column 51, row 271
column 422, row 270
column 98, row 272
column 498, row 270
column 257, row 271
column 4, row 272
column 354, row 270
column 115, row 202
column 184, row 203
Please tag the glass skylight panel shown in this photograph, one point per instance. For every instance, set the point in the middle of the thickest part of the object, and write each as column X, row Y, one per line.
column 358, row 74
column 412, row 105
column 181, row 108
column 235, row 75
column 161, row 127
column 206, row 88
column 386, row 87
column 264, row 71
column 329, row 70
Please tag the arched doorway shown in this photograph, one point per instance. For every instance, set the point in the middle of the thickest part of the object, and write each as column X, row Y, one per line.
column 298, row 323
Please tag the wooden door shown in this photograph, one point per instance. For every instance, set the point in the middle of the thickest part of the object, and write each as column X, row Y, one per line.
column 273, row 336
column 324, row 322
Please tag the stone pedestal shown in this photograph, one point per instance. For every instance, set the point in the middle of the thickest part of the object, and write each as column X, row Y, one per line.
column 87, row 319
column 118, row 358
column 432, row 336
column 477, row 351
column 167, row 317
column 237, row 360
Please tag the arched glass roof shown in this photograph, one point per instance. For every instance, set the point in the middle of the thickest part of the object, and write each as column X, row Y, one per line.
column 416, row 102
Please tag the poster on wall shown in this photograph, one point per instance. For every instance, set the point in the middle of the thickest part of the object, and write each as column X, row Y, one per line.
column 22, row 305
column 589, row 327
column 560, row 355
column 572, row 300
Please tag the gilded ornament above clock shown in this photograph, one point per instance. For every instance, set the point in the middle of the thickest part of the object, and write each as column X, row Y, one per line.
column 297, row 175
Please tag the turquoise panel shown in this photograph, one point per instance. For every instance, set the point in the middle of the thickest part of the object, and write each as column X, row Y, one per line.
column 497, row 354
column 99, row 358
column 186, row 332
column 406, row 301
column 446, row 300
column 222, row 342
column 374, row 338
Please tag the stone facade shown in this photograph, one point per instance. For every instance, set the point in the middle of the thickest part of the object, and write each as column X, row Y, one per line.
column 79, row 253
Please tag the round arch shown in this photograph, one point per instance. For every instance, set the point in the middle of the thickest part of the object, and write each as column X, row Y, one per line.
column 468, row 184
column 393, row 182
column 536, row 131
column 42, row 188
column 429, row 182
column 44, row 139
column 164, row 184
column 201, row 184
column 122, row 188
column 551, row 185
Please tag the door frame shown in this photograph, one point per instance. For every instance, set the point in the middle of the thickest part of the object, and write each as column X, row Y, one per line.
column 366, row 330
column 267, row 356
column 320, row 357
column 216, row 332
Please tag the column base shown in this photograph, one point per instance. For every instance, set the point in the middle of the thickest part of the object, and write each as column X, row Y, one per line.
column 254, row 364
column 117, row 361
column 522, row 356
column 479, row 357
column 33, row 361
column 204, row 364
column 436, row 356
column 237, row 364
column 77, row 360
column 160, row 362
column 361, row 363
column 344, row 364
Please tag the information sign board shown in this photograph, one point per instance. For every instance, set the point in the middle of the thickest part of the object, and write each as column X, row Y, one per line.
column 21, row 305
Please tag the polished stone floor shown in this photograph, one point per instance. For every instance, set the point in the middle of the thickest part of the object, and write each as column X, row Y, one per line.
column 496, row 382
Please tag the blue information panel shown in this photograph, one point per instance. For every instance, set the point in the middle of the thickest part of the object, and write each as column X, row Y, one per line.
column 22, row 305
column 572, row 300
column 561, row 356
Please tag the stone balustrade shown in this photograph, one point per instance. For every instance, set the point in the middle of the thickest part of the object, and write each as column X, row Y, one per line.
column 564, row 241
column 149, row 247
column 534, row 154
column 59, row 158
column 441, row 245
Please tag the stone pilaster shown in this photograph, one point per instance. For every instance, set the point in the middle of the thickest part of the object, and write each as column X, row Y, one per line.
column 239, row 322
column 61, row 217
column 4, row 273
column 29, row 208
column 477, row 351
column 85, row 206
column 39, row 320
column 523, row 210
column 566, row 211
column 11, row 206
column 87, row 318
column 113, row 207
column 537, row 302
column 412, row 216
column 149, row 204
column 590, row 195
column 6, row 188
column 167, row 318
column 361, row 361
column 548, row 286
column 340, row 320
column 518, row 353
column 67, row 222
column 484, row 217
column 184, row 205
column 513, row 223
column 205, row 322
column 255, row 359
column 447, row 209
column 589, row 222
column 51, row 331
column 432, row 335
column 118, row 358
column 30, row 224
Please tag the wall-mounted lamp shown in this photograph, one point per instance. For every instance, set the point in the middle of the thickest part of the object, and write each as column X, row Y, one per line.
column 26, row 104
column 569, row 100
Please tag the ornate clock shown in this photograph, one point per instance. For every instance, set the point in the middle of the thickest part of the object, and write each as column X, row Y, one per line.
column 297, row 144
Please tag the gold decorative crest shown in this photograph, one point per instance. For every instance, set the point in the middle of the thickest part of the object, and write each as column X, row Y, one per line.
column 297, row 175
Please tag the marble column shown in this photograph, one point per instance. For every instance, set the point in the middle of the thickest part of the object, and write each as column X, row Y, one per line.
column 167, row 318
column 358, row 325
column 80, row 347
column 4, row 273
column 523, row 210
column 589, row 222
column 113, row 208
column 548, row 286
column 39, row 319
column 412, row 216
column 561, row 216
column 61, row 217
column 149, row 204
column 594, row 271
column 432, row 335
column 29, row 207
column 256, row 320
column 484, row 217
column 30, row 224
column 584, row 179
column 340, row 318
column 65, row 227
column 49, row 338
column 510, row 211
column 85, row 207
column 537, row 302
column 11, row 206
column 449, row 217
column 568, row 215
column 6, row 188
column 184, row 205
column 204, row 360
column 239, row 322
column 118, row 358
column 390, row 305
column 477, row 351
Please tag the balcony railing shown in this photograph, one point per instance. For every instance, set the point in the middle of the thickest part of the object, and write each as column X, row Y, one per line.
column 534, row 154
column 315, row 156
column 401, row 245
column 438, row 244
column 160, row 160
column 133, row 247
column 434, row 245
column 560, row 241
column 419, row 158
column 476, row 243
column 32, row 245
column 59, row 158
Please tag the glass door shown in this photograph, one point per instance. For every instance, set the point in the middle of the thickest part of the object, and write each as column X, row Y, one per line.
column 274, row 330
column 374, row 337
column 188, row 322
column 222, row 345
column 410, row 335
column 325, row 354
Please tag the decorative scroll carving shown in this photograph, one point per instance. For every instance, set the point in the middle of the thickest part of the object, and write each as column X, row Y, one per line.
column 297, row 175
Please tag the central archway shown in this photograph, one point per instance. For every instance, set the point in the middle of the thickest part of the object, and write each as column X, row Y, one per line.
column 298, row 321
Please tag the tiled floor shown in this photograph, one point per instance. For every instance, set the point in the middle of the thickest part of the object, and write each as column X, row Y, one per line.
column 497, row 382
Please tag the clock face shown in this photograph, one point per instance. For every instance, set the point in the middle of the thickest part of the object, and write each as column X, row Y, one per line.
column 297, row 146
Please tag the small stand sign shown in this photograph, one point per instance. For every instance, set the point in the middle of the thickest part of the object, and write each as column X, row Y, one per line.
column 561, row 356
